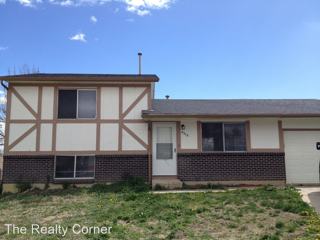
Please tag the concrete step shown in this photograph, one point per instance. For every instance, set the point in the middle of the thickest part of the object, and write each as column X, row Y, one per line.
column 166, row 182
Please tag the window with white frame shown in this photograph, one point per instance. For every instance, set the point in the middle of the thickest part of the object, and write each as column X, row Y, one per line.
column 77, row 103
column 67, row 167
column 223, row 136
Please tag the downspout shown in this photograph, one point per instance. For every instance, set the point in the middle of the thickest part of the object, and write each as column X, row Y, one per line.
column 3, row 85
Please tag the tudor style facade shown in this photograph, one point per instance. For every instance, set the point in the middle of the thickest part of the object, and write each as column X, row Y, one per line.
column 97, row 128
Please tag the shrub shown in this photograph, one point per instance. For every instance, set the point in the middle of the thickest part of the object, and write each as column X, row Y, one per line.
column 23, row 186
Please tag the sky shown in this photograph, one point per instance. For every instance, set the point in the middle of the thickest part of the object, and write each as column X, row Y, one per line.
column 207, row 49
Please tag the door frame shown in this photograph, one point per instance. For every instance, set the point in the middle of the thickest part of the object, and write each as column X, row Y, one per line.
column 175, row 146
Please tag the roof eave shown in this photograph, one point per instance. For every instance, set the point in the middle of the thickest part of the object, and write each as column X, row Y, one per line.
column 79, row 78
column 170, row 115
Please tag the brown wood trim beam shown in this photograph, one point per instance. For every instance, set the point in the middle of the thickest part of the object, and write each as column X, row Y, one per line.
column 23, row 136
column 39, row 118
column 98, row 118
column 178, row 135
column 248, row 136
column 55, row 116
column 120, row 118
column 135, row 136
column 301, row 129
column 199, row 135
column 21, row 99
column 135, row 102
column 281, row 136
column 8, row 114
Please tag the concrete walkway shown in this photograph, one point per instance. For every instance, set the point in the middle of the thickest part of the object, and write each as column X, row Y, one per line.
column 311, row 195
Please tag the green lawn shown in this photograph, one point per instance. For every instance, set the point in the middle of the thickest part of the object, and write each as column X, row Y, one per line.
column 263, row 213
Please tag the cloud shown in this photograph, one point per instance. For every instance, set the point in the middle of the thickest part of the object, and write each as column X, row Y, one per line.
column 81, row 37
column 29, row 3
column 2, row 1
column 139, row 7
column 3, row 48
column 143, row 7
column 93, row 19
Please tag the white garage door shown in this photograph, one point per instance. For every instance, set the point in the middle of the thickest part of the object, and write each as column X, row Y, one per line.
column 302, row 157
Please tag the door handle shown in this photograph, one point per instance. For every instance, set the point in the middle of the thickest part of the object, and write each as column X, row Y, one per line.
column 175, row 150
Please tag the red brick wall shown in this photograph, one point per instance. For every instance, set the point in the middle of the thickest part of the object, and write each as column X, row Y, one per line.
column 40, row 169
column 32, row 169
column 118, row 167
column 231, row 166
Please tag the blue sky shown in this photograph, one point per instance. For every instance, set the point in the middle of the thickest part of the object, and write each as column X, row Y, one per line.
column 198, row 48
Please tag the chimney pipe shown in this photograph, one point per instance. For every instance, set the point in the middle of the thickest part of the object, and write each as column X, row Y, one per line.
column 140, row 55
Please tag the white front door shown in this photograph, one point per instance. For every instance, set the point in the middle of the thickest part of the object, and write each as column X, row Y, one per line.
column 302, row 156
column 164, row 153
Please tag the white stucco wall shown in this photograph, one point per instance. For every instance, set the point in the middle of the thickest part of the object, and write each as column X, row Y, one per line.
column 130, row 94
column 264, row 133
column 17, row 129
column 189, row 136
column 47, row 103
column 27, row 144
column 76, row 137
column 110, row 103
column 135, row 113
column 301, row 123
column 46, row 137
column 30, row 95
column 109, row 137
column 129, row 143
column 18, row 110
column 140, row 129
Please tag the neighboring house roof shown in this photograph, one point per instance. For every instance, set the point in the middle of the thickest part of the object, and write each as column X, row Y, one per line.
column 81, row 77
column 234, row 107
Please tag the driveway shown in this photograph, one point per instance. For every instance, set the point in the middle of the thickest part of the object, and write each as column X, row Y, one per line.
column 311, row 195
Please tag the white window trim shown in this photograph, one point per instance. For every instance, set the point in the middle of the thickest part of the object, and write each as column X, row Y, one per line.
column 223, row 138
column 75, row 167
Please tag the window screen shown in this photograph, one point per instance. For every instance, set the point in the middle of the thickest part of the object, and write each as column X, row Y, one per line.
column 86, row 104
column 212, row 138
column 85, row 166
column 235, row 137
column 64, row 167
column 67, row 104
column 164, row 146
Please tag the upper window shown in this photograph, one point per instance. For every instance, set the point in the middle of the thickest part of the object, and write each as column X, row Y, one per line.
column 74, row 167
column 79, row 103
column 223, row 137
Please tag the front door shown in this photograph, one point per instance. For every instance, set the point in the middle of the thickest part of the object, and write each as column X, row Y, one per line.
column 164, row 160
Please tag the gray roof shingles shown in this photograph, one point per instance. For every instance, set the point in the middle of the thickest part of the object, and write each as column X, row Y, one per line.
column 235, row 107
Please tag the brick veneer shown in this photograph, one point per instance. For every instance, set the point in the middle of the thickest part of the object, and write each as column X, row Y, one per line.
column 33, row 169
column 118, row 167
column 40, row 169
column 231, row 166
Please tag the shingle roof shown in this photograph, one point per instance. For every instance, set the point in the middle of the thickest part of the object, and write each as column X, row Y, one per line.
column 235, row 107
column 77, row 76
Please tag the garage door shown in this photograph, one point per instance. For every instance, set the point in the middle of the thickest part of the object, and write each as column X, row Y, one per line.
column 302, row 157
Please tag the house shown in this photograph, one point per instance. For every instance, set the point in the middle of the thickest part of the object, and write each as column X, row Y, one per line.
column 99, row 128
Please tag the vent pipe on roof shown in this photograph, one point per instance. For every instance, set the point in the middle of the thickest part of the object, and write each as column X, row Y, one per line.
column 140, row 56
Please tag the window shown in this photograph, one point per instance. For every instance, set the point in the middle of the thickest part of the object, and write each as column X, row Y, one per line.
column 74, row 104
column 223, row 137
column 74, row 166
column 164, row 146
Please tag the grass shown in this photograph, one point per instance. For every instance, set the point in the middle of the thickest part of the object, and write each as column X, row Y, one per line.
column 262, row 213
